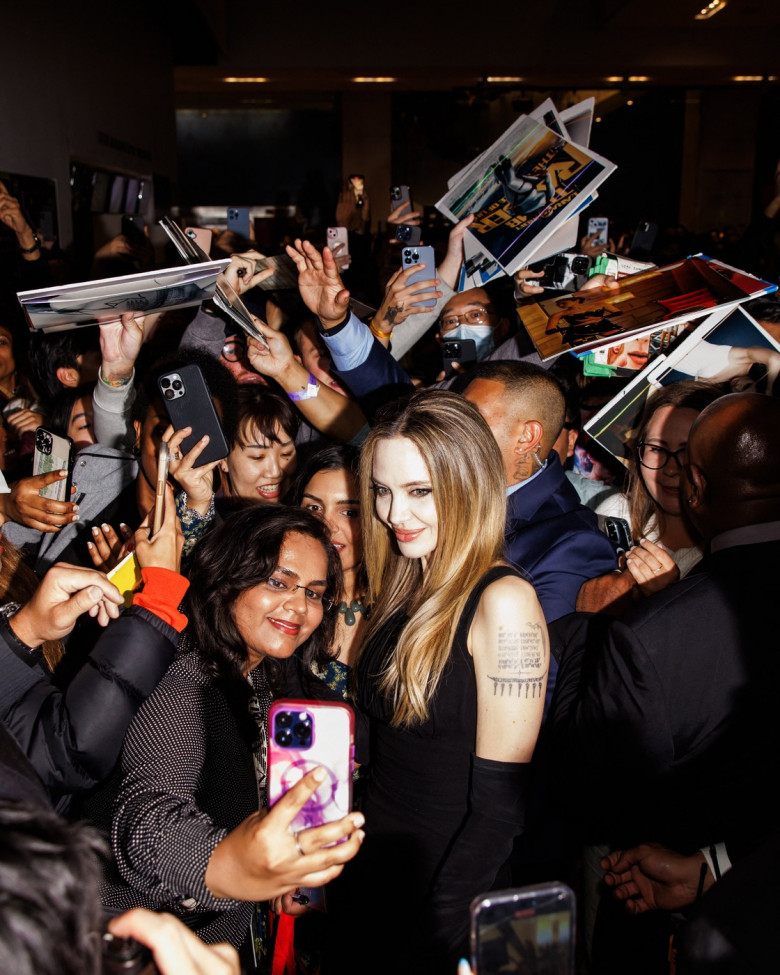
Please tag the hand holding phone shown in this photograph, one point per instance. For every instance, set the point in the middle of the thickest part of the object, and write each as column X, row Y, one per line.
column 53, row 453
column 412, row 256
column 188, row 403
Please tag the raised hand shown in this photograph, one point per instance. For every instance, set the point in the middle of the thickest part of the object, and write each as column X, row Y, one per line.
column 319, row 283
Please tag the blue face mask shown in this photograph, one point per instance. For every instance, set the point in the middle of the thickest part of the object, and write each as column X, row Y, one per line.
column 481, row 334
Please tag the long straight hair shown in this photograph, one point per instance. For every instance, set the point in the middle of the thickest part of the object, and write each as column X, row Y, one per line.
column 467, row 477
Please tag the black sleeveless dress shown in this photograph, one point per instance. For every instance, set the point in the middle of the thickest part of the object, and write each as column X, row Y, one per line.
column 415, row 803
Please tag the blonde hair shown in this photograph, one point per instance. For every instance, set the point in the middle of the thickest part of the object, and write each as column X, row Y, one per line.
column 467, row 477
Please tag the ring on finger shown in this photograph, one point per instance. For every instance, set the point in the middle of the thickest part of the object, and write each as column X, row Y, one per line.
column 298, row 844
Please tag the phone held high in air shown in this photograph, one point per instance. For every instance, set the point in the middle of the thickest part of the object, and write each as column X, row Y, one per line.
column 53, row 453
column 524, row 929
column 188, row 403
column 338, row 243
column 410, row 256
column 400, row 196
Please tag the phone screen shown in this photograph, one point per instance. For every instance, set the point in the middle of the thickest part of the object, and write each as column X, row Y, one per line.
column 527, row 929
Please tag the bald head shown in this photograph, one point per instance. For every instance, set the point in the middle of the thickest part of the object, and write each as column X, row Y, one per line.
column 733, row 474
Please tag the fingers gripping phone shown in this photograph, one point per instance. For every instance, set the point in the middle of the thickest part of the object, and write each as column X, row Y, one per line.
column 301, row 736
column 527, row 929
column 410, row 256
column 462, row 351
column 188, row 403
column 53, row 453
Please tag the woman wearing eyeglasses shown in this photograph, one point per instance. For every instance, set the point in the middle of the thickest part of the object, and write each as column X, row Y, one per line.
column 665, row 548
column 187, row 834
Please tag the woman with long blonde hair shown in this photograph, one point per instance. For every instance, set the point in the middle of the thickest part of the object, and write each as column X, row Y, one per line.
column 452, row 679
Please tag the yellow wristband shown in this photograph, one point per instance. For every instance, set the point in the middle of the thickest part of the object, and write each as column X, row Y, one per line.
column 379, row 335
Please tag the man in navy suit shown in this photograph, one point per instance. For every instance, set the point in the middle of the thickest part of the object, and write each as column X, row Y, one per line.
column 664, row 724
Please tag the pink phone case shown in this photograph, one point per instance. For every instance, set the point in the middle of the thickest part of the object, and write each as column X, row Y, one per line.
column 329, row 744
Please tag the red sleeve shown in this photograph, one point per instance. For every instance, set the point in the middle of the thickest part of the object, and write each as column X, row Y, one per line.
column 163, row 591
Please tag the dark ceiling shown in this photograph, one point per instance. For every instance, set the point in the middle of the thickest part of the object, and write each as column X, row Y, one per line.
column 309, row 50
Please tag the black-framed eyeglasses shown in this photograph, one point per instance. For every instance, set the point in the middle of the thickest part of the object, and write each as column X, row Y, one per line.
column 278, row 584
column 654, row 457
column 477, row 316
column 234, row 350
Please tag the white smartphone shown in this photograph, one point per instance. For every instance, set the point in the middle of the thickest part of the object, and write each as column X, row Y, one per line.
column 600, row 226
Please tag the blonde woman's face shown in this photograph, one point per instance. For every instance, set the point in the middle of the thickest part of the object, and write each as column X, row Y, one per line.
column 403, row 497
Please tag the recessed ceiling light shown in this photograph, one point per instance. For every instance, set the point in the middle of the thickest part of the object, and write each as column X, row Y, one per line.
column 373, row 81
column 614, row 79
column 502, row 79
column 637, row 77
column 244, row 81
column 748, row 77
column 712, row 8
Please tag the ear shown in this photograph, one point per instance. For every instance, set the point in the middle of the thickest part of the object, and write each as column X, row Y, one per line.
column 297, row 358
column 698, row 487
column 223, row 465
column 437, row 336
column 137, row 427
column 529, row 436
column 571, row 442
column 67, row 376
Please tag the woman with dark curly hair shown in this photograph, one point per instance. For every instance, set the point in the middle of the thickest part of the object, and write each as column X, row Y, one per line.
column 187, row 834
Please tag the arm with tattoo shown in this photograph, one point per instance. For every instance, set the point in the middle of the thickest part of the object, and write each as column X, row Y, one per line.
column 511, row 651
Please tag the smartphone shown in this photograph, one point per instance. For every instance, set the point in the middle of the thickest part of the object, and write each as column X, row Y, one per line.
column 420, row 255
column 202, row 237
column 188, row 403
column 53, row 453
column 463, row 351
column 408, row 234
column 618, row 531
column 358, row 184
column 600, row 226
column 644, row 239
column 163, row 459
column 303, row 735
column 400, row 196
column 238, row 220
column 133, row 229
column 522, row 930
column 338, row 243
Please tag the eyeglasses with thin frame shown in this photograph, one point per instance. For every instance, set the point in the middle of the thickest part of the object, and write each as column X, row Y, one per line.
column 234, row 350
column 477, row 316
column 655, row 458
column 279, row 585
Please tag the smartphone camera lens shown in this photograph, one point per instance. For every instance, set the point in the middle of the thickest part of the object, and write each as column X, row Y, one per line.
column 176, row 383
column 302, row 730
column 165, row 383
column 283, row 719
column 169, row 394
column 283, row 738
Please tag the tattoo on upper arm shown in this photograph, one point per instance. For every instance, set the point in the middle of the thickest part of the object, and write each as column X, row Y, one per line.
column 522, row 662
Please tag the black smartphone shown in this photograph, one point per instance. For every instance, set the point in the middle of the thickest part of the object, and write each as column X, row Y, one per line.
column 188, row 403
column 401, row 196
column 133, row 229
column 462, row 351
column 407, row 234
column 53, row 453
column 644, row 239
column 523, row 930
column 618, row 531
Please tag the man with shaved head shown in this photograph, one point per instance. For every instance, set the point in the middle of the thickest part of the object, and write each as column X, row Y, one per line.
column 665, row 725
